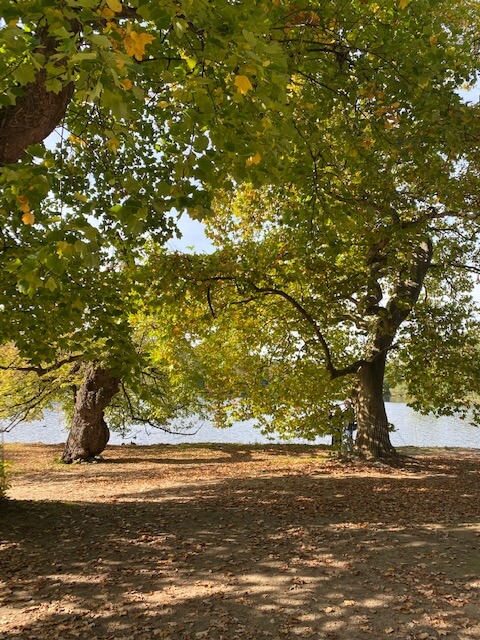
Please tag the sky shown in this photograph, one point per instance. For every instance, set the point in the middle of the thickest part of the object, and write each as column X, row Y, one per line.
column 193, row 237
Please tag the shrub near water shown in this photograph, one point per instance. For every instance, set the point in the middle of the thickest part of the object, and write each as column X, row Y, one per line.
column 3, row 475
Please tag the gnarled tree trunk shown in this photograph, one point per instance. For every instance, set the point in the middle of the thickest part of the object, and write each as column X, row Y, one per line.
column 89, row 433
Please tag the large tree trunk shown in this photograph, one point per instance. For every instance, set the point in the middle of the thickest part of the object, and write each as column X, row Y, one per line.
column 373, row 436
column 89, row 433
column 37, row 111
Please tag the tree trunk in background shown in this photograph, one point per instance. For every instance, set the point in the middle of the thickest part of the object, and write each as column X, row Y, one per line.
column 373, row 436
column 89, row 433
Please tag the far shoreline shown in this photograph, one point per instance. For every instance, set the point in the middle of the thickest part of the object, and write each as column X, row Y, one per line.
column 407, row 449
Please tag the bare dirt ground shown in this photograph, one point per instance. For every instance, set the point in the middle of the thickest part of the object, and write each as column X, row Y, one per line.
column 238, row 543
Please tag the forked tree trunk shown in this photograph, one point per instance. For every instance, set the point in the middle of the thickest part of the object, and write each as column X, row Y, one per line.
column 373, row 435
column 89, row 433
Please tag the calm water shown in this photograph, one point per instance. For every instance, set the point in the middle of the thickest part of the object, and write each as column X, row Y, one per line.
column 413, row 429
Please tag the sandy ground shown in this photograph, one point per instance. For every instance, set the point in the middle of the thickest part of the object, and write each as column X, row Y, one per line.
column 226, row 542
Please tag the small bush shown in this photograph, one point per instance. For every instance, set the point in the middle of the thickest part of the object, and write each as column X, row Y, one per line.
column 4, row 484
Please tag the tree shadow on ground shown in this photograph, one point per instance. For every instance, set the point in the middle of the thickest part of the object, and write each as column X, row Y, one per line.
column 232, row 457
column 295, row 556
column 226, row 453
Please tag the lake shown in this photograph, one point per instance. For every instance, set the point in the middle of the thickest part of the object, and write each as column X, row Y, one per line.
column 412, row 429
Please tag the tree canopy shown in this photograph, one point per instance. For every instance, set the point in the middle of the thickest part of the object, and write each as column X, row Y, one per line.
column 333, row 138
column 153, row 103
column 316, row 279
column 156, row 105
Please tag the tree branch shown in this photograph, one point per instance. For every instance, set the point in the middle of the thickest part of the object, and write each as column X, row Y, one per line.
column 146, row 421
column 41, row 371
column 466, row 267
column 332, row 370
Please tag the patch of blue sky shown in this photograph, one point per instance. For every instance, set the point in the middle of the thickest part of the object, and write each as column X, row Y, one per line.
column 192, row 238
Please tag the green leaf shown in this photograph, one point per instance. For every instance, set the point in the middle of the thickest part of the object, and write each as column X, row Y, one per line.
column 25, row 73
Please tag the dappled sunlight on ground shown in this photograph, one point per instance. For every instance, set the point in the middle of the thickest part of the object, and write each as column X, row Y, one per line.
column 223, row 543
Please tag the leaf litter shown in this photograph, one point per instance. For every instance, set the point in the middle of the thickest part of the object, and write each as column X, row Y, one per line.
column 226, row 541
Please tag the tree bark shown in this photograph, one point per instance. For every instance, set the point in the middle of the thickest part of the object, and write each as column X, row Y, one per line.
column 373, row 436
column 89, row 433
column 36, row 112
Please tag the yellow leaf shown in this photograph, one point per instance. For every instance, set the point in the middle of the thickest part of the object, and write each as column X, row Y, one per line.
column 107, row 13
column 243, row 84
column 433, row 41
column 191, row 62
column 403, row 4
column 253, row 159
column 113, row 144
column 28, row 217
column 81, row 196
column 65, row 248
column 135, row 44
column 77, row 140
column 126, row 84
column 115, row 5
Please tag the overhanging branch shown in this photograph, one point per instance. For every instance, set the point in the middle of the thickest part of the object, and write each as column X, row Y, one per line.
column 39, row 370
column 332, row 370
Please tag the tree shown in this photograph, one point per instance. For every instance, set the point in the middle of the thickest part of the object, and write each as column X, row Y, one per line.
column 286, row 323
column 152, row 105
column 89, row 393
column 161, row 105
column 379, row 209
